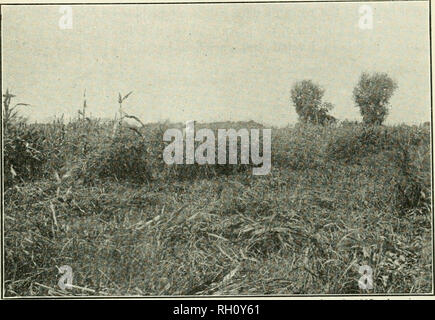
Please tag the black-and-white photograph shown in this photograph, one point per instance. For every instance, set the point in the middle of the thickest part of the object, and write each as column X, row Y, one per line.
column 249, row 149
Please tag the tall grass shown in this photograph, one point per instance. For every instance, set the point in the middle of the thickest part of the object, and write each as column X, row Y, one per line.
column 128, row 224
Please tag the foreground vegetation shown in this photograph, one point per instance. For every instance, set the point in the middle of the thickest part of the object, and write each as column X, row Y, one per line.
column 104, row 203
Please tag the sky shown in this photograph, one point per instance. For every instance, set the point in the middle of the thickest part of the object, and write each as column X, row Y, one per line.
column 212, row 62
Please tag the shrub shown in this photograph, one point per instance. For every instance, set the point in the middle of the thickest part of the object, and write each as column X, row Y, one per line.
column 122, row 158
column 350, row 143
column 300, row 147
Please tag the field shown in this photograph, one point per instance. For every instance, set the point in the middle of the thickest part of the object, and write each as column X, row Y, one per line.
column 103, row 202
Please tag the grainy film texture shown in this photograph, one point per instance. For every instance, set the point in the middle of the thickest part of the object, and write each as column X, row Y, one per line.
column 217, row 149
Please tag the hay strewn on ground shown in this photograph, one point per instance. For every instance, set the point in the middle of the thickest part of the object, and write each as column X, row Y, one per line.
column 336, row 198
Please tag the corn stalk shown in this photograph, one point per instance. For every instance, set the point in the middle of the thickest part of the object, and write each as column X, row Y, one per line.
column 118, row 123
column 10, row 113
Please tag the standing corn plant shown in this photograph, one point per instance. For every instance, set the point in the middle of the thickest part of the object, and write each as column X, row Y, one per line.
column 83, row 111
column 10, row 113
column 22, row 156
column 120, row 111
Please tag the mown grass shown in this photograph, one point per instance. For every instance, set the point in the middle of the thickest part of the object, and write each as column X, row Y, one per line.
column 128, row 224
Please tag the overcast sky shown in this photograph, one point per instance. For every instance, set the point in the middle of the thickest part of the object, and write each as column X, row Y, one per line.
column 213, row 62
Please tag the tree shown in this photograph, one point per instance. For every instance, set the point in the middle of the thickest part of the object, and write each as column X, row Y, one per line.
column 307, row 99
column 372, row 95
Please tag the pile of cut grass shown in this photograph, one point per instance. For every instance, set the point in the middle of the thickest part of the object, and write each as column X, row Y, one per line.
column 291, row 232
